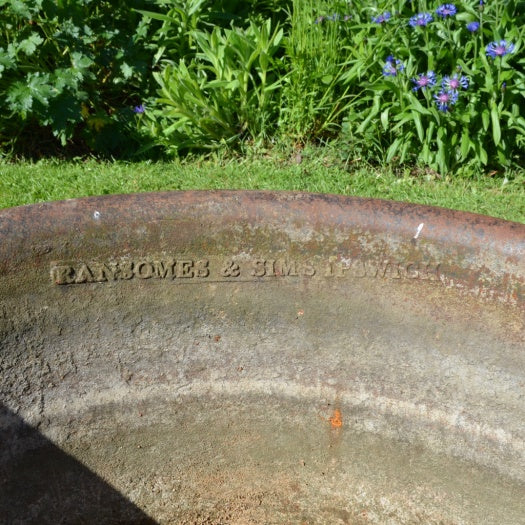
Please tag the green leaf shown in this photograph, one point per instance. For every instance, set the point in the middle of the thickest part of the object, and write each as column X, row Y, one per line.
column 66, row 78
column 373, row 112
column 20, row 8
column 80, row 61
column 496, row 130
column 425, row 154
column 384, row 118
column 441, row 157
column 157, row 16
column 482, row 153
column 485, row 118
column 5, row 61
column 64, row 112
column 419, row 126
column 19, row 97
column 465, row 143
column 392, row 150
column 195, row 6
column 29, row 45
column 126, row 70
column 414, row 102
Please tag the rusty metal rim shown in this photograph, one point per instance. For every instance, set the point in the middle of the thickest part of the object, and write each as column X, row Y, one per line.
column 27, row 231
column 374, row 214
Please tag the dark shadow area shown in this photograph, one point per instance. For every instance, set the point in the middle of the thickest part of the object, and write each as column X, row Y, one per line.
column 39, row 483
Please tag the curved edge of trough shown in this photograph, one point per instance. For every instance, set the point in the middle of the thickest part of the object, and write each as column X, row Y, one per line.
column 479, row 254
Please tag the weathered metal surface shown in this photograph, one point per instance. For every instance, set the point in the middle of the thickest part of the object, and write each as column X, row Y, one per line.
column 257, row 357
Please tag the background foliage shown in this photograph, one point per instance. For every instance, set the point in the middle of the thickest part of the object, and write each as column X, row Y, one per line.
column 71, row 71
column 148, row 77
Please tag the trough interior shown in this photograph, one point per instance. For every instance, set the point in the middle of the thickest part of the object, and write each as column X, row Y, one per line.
column 279, row 394
column 217, row 401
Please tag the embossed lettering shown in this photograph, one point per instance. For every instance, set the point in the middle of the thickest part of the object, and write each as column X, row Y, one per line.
column 230, row 269
column 83, row 274
column 202, row 268
column 126, row 270
column 375, row 268
column 347, row 267
column 163, row 269
column 258, row 268
column 185, row 269
column 106, row 272
column 392, row 270
column 412, row 271
column 285, row 268
column 309, row 270
column 63, row 274
column 172, row 269
column 144, row 270
column 432, row 272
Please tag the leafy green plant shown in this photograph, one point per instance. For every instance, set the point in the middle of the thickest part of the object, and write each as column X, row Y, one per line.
column 314, row 94
column 445, row 85
column 74, row 68
column 224, row 93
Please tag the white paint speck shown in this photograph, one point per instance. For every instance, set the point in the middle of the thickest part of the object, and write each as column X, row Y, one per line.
column 419, row 229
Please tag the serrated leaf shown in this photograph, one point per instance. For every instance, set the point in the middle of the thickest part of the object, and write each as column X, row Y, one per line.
column 29, row 45
column 5, row 61
column 38, row 83
column 126, row 70
column 20, row 8
column 66, row 78
column 64, row 113
column 19, row 97
column 80, row 61
column 12, row 50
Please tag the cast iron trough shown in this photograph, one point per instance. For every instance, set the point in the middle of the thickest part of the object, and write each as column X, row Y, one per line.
column 257, row 357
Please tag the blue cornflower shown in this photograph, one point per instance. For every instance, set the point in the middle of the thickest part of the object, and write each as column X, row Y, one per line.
column 454, row 82
column 473, row 26
column 319, row 19
column 424, row 80
column 445, row 99
column 446, row 10
column 421, row 19
column 139, row 109
column 382, row 18
column 392, row 66
column 499, row 49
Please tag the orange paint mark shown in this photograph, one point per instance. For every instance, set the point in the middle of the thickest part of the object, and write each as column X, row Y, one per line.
column 336, row 420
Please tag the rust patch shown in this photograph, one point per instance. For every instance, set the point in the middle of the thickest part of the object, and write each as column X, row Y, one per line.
column 336, row 420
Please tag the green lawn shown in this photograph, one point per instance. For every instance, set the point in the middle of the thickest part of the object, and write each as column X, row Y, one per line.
column 314, row 171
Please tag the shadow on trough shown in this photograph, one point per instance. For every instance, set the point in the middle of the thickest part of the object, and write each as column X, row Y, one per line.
column 42, row 484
